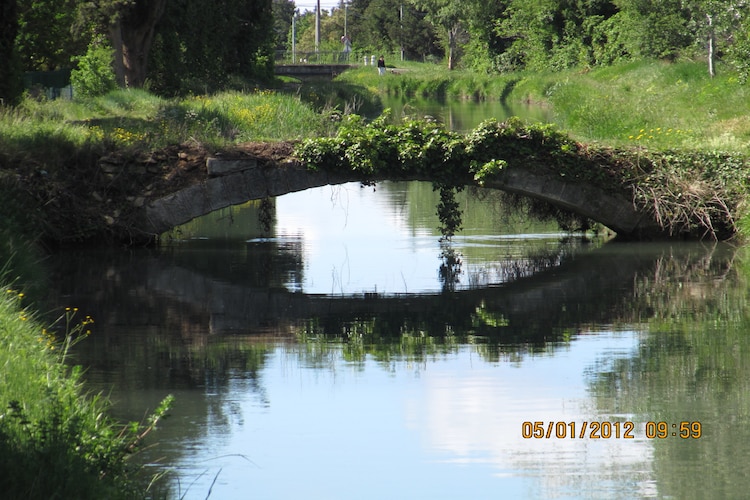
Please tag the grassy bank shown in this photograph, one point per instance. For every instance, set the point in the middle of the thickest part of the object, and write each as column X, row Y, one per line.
column 55, row 441
column 651, row 104
column 645, row 104
column 135, row 118
column 77, row 171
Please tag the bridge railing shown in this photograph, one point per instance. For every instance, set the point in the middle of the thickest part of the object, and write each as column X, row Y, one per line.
column 319, row 57
column 328, row 57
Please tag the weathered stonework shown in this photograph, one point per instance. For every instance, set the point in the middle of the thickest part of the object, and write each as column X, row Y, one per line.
column 238, row 181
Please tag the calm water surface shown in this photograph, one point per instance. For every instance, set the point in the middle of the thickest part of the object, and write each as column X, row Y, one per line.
column 463, row 116
column 329, row 358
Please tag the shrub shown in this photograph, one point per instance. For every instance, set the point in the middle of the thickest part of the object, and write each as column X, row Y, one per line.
column 94, row 75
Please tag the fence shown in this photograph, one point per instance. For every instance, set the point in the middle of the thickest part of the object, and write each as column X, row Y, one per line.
column 51, row 84
column 319, row 57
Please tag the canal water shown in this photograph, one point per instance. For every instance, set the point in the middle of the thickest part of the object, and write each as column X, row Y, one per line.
column 464, row 115
column 328, row 356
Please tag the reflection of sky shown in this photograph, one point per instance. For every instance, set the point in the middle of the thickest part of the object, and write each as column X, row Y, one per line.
column 473, row 413
column 355, row 240
column 449, row 428
column 355, row 243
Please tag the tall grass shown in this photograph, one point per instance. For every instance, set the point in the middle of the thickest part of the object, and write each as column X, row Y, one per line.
column 45, row 131
column 651, row 104
column 239, row 117
column 56, row 442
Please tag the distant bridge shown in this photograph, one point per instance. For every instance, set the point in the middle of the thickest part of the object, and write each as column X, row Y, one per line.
column 310, row 70
column 236, row 181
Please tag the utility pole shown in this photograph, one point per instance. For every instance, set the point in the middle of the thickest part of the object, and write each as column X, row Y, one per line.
column 317, row 29
column 294, row 36
column 401, row 29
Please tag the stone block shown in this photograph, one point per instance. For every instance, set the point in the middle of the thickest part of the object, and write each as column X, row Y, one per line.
column 220, row 166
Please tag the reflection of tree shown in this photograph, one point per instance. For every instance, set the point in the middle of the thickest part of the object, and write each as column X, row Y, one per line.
column 266, row 215
column 535, row 314
column 178, row 352
column 450, row 266
column 692, row 365
column 259, row 262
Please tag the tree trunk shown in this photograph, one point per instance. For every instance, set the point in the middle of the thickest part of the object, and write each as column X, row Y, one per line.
column 115, row 38
column 711, row 38
column 10, row 71
column 452, row 35
column 136, row 34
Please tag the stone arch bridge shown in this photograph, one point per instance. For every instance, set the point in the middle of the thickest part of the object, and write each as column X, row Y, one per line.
column 236, row 181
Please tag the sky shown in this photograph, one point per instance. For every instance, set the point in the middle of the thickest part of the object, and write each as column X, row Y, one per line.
column 304, row 5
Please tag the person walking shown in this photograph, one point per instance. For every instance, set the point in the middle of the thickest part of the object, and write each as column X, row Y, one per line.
column 381, row 65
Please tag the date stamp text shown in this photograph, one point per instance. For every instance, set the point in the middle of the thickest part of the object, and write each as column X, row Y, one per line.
column 609, row 430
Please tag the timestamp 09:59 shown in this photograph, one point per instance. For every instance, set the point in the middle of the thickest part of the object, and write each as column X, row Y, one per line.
column 609, row 430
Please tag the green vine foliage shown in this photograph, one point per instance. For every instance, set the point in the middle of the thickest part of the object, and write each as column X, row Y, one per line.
column 381, row 149
column 698, row 194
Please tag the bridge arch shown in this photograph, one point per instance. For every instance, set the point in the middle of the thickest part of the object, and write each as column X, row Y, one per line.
column 232, row 182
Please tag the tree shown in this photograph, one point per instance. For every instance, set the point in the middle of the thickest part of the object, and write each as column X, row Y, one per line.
column 739, row 49
column 200, row 45
column 713, row 20
column 555, row 34
column 130, row 25
column 486, row 47
column 417, row 36
column 391, row 26
column 653, row 28
column 283, row 11
column 132, row 34
column 448, row 17
column 44, row 40
column 10, row 77
column 94, row 75
column 331, row 31
column 306, row 30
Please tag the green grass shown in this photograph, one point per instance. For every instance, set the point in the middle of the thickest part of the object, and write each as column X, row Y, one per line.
column 645, row 104
column 258, row 116
column 650, row 104
column 55, row 441
column 45, row 131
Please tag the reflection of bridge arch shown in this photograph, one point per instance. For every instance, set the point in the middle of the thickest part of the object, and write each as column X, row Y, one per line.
column 243, row 180
column 587, row 286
